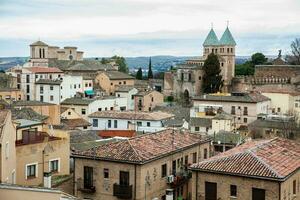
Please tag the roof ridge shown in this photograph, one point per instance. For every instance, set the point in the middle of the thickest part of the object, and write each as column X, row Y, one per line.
column 264, row 163
column 134, row 150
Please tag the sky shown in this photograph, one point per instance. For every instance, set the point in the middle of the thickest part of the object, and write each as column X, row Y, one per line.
column 147, row 27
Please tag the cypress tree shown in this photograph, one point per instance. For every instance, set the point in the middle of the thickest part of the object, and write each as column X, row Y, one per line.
column 139, row 74
column 212, row 79
column 150, row 73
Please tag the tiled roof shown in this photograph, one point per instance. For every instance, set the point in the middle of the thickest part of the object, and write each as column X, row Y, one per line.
column 117, row 133
column 227, row 38
column 252, row 97
column 155, row 116
column 116, row 75
column 39, row 43
column 44, row 70
column 180, row 113
column 223, row 116
column 48, row 82
column 22, row 123
column 275, row 124
column 144, row 148
column 77, row 101
column 27, row 113
column 276, row 158
column 31, row 103
column 124, row 88
column 211, row 39
column 201, row 122
column 74, row 123
column 80, row 65
column 229, row 138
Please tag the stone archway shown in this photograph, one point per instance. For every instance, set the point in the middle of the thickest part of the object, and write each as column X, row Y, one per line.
column 186, row 97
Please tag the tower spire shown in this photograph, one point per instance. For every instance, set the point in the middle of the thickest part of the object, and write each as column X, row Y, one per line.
column 212, row 25
column 227, row 23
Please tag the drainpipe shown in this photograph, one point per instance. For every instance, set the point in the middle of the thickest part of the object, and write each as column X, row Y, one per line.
column 196, row 185
column 134, row 181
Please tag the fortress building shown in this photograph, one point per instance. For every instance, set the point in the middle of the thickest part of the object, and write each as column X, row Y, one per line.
column 187, row 80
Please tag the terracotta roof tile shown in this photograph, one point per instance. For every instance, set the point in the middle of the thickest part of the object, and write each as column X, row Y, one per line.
column 44, row 70
column 144, row 148
column 118, row 133
column 275, row 158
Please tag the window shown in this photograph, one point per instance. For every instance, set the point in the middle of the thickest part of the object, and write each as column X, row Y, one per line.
column 152, row 99
column 186, row 160
column 90, row 84
column 149, row 109
column 109, row 123
column 233, row 191
column 88, row 177
column 124, row 82
column 174, row 167
column 31, row 171
column 6, row 150
column 27, row 88
column 164, row 170
column 124, row 178
column 132, row 97
column 233, row 110
column 27, row 78
column 83, row 111
column 41, row 98
column 258, row 194
column 210, row 190
column 205, row 153
column 74, row 86
column 111, row 83
column 148, row 124
column 95, row 122
column 278, row 109
column 115, row 123
column 106, row 173
column 99, row 109
column 51, row 87
column 120, row 83
column 119, row 95
column 54, row 165
column 79, row 86
column 111, row 108
column 50, row 76
column 27, row 97
column 69, row 113
column 199, row 78
column 294, row 187
column 197, row 128
column 139, row 123
column 245, row 110
column 86, row 85
column 41, row 89
column 195, row 157
column 245, row 120
column 51, row 98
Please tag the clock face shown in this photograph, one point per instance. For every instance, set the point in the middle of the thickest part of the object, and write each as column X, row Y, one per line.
column 70, row 57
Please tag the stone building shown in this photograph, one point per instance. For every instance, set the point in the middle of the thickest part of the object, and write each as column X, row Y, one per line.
column 255, row 170
column 40, row 52
column 147, row 100
column 187, row 80
column 130, row 169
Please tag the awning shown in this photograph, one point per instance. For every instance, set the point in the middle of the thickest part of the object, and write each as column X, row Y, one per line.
column 89, row 92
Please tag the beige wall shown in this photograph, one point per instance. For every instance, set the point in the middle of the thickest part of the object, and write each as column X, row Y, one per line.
column 33, row 153
column 147, row 103
column 244, row 186
column 72, row 115
column 109, row 86
column 14, row 194
column 8, row 164
column 11, row 95
column 157, row 187
column 287, row 187
column 77, row 109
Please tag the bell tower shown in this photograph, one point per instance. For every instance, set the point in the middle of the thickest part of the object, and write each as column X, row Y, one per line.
column 39, row 54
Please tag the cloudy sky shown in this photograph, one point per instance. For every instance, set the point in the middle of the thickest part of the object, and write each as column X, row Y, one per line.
column 147, row 27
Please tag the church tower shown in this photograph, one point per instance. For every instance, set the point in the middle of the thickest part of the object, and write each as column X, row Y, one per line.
column 39, row 54
column 210, row 44
column 227, row 61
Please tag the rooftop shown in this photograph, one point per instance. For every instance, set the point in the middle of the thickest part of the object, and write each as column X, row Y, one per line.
column 22, row 123
column 31, row 103
column 117, row 133
column 43, row 69
column 153, row 116
column 39, row 43
column 252, row 97
column 227, row 38
column 48, row 82
column 74, row 123
column 201, row 122
column 274, row 159
column 135, row 150
column 77, row 101
column 275, row 124
column 211, row 39
column 124, row 88
column 27, row 113
column 80, row 65
column 116, row 75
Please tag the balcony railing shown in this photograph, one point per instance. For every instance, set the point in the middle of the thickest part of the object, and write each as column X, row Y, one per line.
column 181, row 178
column 123, row 191
column 35, row 137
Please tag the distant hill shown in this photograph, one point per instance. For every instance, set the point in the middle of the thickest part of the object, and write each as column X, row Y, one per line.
column 159, row 63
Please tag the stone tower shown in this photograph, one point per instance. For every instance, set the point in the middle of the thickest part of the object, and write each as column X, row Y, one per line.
column 39, row 54
column 225, row 49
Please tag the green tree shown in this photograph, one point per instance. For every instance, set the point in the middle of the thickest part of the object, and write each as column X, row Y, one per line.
column 121, row 62
column 212, row 79
column 294, row 59
column 104, row 61
column 139, row 74
column 258, row 59
column 150, row 73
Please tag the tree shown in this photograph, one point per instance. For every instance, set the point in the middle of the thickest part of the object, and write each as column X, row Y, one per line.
column 139, row 74
column 121, row 62
column 212, row 79
column 294, row 59
column 258, row 59
column 150, row 73
column 104, row 61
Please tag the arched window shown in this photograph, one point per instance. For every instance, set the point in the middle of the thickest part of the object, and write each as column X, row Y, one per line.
column 40, row 53
column 43, row 53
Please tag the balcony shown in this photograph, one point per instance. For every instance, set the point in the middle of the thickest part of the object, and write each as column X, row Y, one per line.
column 122, row 191
column 34, row 137
column 180, row 179
column 88, row 190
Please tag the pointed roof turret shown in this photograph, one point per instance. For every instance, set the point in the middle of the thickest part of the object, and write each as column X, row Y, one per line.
column 211, row 39
column 227, row 38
